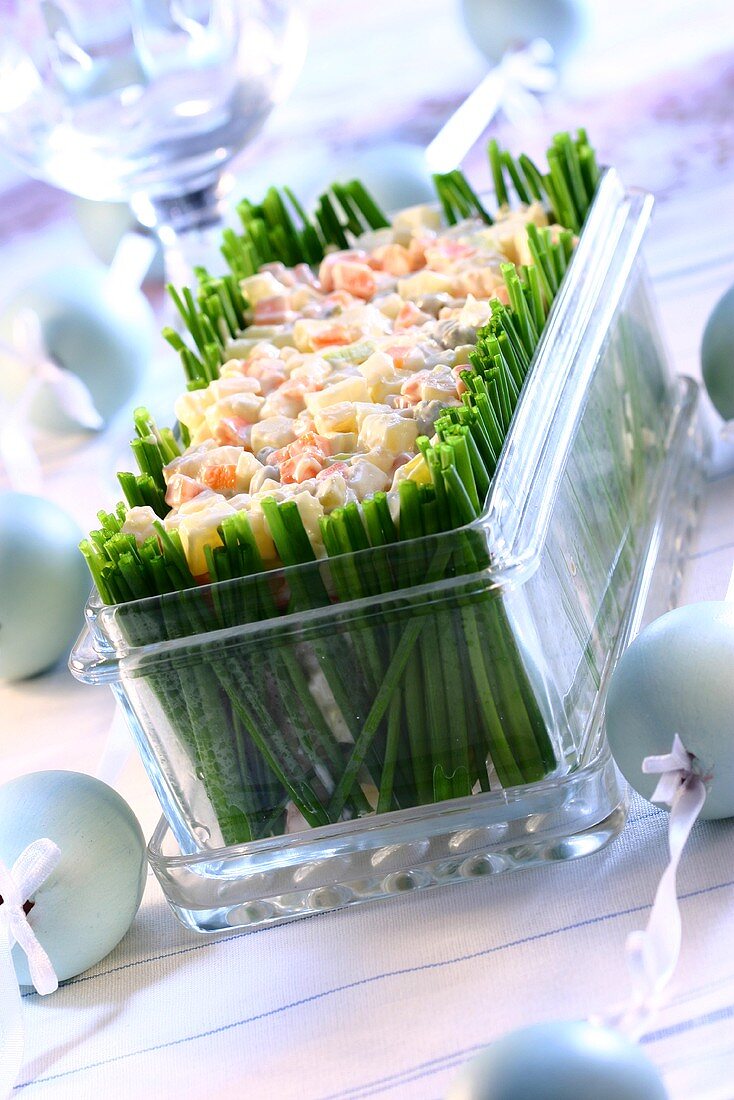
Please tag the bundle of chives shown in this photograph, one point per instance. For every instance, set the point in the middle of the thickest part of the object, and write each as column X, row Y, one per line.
column 256, row 750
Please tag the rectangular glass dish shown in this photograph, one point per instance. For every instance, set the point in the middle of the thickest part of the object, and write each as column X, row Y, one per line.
column 447, row 723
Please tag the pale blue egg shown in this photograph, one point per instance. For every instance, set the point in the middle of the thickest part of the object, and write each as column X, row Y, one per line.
column 87, row 904
column 101, row 331
column 496, row 26
column 560, row 1061
column 717, row 355
column 44, row 583
column 678, row 677
column 394, row 172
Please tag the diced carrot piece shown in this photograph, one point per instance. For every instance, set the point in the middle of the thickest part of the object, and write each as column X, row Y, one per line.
column 335, row 468
column 334, row 336
column 417, row 253
column 273, row 311
column 220, row 478
column 308, row 443
column 326, row 270
column 356, row 278
column 409, row 316
column 442, row 254
column 271, row 373
column 181, row 488
column 395, row 259
column 300, row 468
column 233, row 431
column 305, row 275
column 411, row 389
column 398, row 354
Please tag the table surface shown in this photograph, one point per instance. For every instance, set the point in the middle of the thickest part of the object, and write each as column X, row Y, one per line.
column 390, row 998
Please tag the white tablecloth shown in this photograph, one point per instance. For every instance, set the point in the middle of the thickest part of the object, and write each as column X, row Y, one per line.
column 389, row 998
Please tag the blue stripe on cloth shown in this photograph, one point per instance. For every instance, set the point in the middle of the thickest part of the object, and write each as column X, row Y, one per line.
column 358, row 983
column 688, row 1025
column 392, row 1080
column 711, row 550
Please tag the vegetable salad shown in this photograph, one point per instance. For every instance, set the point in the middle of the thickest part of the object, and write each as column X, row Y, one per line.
column 343, row 367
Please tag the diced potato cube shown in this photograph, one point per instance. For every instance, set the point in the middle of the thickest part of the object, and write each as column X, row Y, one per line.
column 276, row 431
column 349, row 389
column 425, row 282
column 221, row 456
column 190, row 408
column 439, row 385
column 336, row 418
column 201, row 435
column 415, row 470
column 379, row 364
column 474, row 313
column 281, row 404
column 536, row 213
column 332, row 491
column 418, row 217
column 390, row 430
column 247, row 467
column 390, row 305
column 245, row 406
column 233, row 382
column 365, row 478
column 268, row 487
column 381, row 376
column 266, row 474
column 341, row 442
column 363, row 409
column 198, row 530
column 261, row 285
column 311, row 510
column 139, row 522
column 304, row 330
column 261, row 533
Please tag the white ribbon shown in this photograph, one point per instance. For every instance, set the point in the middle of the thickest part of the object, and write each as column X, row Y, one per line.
column 17, row 886
column 512, row 86
column 652, row 954
column 71, row 395
column 68, row 390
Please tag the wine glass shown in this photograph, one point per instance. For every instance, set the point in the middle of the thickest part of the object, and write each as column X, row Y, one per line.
column 146, row 101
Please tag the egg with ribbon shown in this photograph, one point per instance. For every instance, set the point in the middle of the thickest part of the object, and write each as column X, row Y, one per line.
column 717, row 355
column 496, row 26
column 86, row 905
column 100, row 329
column 560, row 1061
column 677, row 677
column 394, row 172
column 44, row 584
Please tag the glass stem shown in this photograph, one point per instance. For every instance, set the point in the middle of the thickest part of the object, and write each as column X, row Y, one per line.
column 189, row 228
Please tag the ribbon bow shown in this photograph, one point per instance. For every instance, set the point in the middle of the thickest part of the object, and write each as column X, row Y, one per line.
column 652, row 953
column 17, row 886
